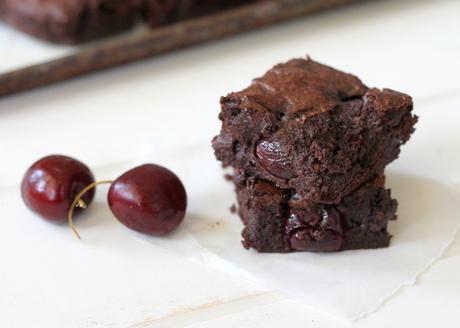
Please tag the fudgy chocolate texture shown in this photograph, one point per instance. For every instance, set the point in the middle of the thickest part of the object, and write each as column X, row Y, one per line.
column 70, row 21
column 276, row 220
column 308, row 127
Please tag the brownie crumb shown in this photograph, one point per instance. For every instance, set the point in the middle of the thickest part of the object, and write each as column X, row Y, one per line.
column 228, row 177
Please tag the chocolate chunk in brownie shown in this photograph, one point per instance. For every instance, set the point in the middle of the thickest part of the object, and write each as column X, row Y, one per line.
column 70, row 21
column 277, row 220
column 308, row 127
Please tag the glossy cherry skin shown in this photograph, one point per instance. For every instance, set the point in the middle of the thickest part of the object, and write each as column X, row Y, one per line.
column 275, row 158
column 316, row 240
column 149, row 198
column 51, row 184
column 316, row 231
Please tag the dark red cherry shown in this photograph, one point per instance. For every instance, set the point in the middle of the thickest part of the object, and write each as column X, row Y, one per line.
column 51, row 184
column 275, row 158
column 331, row 220
column 149, row 199
column 316, row 240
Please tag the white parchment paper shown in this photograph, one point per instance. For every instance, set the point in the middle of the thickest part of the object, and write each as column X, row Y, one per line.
column 348, row 285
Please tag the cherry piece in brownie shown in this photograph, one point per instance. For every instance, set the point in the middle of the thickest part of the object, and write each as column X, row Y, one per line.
column 309, row 127
column 276, row 220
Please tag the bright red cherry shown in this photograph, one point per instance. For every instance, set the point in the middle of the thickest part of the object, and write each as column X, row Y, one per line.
column 51, row 184
column 149, row 198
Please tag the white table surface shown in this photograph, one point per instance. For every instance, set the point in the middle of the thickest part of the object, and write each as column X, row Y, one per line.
column 106, row 119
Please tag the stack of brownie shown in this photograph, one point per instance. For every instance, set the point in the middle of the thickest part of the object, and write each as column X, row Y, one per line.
column 75, row 21
column 309, row 145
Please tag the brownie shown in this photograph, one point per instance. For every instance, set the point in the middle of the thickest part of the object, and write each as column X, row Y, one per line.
column 277, row 220
column 70, row 21
column 75, row 21
column 159, row 12
column 308, row 127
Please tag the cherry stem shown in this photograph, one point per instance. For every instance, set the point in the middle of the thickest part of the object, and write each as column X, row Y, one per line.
column 78, row 202
column 81, row 203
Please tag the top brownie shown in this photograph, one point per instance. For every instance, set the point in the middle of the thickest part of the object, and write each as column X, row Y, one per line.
column 309, row 127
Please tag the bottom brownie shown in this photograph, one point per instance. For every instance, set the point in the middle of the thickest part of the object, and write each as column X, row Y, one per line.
column 276, row 220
